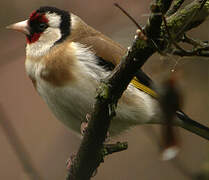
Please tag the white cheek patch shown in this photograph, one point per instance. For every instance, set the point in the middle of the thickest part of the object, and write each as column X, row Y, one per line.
column 47, row 38
column 44, row 44
column 54, row 19
column 50, row 35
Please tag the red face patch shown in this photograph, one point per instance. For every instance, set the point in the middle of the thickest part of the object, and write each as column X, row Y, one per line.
column 33, row 38
column 34, row 15
column 37, row 23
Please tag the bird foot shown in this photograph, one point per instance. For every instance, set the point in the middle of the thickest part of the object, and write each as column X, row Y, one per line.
column 69, row 161
column 84, row 126
column 140, row 35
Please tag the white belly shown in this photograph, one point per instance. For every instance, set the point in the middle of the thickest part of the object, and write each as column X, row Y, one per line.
column 70, row 104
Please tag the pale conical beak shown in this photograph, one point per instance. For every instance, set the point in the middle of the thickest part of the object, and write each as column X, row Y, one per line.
column 20, row 26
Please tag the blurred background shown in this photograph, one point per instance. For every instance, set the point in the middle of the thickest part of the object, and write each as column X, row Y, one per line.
column 50, row 143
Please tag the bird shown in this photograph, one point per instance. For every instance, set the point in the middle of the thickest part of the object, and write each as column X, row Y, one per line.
column 66, row 60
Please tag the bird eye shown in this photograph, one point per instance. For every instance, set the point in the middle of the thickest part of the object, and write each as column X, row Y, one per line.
column 43, row 26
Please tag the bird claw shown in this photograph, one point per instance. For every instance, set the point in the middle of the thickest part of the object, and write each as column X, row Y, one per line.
column 141, row 35
column 69, row 161
column 84, row 126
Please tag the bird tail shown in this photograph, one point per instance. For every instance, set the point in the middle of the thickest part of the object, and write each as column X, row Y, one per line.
column 187, row 123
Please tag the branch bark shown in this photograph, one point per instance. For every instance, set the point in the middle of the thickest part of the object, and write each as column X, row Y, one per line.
column 89, row 155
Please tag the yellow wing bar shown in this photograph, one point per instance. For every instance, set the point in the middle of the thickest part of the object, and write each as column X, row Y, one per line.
column 143, row 88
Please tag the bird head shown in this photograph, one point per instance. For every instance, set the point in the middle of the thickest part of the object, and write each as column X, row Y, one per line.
column 46, row 24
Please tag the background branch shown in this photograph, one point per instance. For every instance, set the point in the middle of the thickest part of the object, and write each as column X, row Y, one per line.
column 18, row 147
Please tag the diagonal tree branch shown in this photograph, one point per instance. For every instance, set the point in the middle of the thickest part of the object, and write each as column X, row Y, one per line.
column 175, row 8
column 89, row 155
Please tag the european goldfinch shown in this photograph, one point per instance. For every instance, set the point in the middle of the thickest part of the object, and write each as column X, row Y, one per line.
column 66, row 59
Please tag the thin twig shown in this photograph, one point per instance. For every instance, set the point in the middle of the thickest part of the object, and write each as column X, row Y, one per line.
column 112, row 148
column 129, row 16
column 194, row 42
column 197, row 52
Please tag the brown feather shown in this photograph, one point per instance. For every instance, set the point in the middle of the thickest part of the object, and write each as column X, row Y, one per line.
column 102, row 45
column 57, row 69
column 58, row 64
